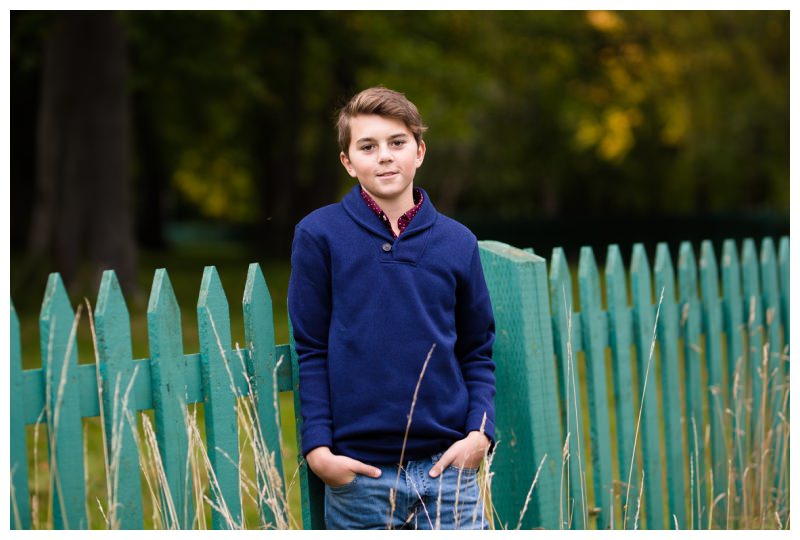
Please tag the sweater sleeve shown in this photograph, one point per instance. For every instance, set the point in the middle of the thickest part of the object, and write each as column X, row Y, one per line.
column 309, row 300
column 475, row 330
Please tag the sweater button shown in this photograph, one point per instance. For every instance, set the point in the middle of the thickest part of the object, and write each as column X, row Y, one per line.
column 387, row 247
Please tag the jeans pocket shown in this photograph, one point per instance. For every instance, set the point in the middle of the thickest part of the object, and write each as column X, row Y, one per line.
column 465, row 471
column 344, row 487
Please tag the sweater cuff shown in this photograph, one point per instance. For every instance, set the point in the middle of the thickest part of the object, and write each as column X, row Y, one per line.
column 314, row 438
column 475, row 422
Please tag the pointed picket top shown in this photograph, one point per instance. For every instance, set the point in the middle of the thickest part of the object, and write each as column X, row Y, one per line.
column 213, row 301
column 587, row 272
column 708, row 260
column 256, row 286
column 751, row 285
column 769, row 280
column 640, row 274
column 112, row 321
column 687, row 272
column 164, row 319
column 55, row 304
column 664, row 273
column 615, row 274
column 560, row 282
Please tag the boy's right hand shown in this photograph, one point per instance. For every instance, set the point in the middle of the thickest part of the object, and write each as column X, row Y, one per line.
column 337, row 470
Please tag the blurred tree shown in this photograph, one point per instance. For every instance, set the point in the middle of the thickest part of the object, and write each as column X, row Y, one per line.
column 83, row 194
column 531, row 113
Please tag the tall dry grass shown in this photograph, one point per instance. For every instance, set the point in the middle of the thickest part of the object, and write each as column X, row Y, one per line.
column 756, row 493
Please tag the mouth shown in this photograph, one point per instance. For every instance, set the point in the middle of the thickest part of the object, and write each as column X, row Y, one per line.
column 386, row 174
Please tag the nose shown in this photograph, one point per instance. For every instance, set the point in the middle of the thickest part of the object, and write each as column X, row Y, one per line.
column 384, row 154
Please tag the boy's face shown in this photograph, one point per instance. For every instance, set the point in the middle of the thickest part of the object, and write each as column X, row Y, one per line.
column 384, row 157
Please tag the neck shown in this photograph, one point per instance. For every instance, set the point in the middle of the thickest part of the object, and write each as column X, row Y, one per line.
column 396, row 206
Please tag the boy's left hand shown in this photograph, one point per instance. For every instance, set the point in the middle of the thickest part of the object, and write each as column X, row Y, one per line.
column 468, row 452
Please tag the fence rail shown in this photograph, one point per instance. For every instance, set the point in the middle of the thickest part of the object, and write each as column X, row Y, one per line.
column 641, row 404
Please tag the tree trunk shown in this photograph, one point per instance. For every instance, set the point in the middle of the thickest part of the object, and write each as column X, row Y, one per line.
column 83, row 203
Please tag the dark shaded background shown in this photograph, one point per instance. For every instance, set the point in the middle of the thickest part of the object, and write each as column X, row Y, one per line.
column 140, row 131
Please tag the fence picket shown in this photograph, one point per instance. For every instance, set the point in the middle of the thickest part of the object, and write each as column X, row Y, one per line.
column 733, row 326
column 65, row 430
column 527, row 419
column 620, row 341
column 755, row 329
column 312, row 490
column 112, row 325
column 169, row 400
column 691, row 331
column 715, row 384
column 595, row 341
column 643, row 322
column 782, row 456
column 261, row 369
column 219, row 400
column 772, row 309
column 671, row 377
column 776, row 382
column 783, row 269
column 20, row 509
column 564, row 339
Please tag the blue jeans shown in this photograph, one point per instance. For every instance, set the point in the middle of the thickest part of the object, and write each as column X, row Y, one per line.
column 451, row 501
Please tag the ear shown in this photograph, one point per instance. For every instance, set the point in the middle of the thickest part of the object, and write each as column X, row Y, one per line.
column 420, row 153
column 347, row 165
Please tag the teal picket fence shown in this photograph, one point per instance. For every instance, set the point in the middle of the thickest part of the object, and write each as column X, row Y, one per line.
column 648, row 402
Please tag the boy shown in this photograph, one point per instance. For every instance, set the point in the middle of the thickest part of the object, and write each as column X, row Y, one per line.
column 391, row 318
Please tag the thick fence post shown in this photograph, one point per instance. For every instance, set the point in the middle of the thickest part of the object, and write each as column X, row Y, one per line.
column 219, row 399
column 575, row 505
column 20, row 496
column 671, row 376
column 262, row 373
column 169, row 401
column 57, row 328
column 595, row 340
column 112, row 324
column 528, row 431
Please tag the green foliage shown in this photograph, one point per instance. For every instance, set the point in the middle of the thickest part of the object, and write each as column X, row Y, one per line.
column 530, row 113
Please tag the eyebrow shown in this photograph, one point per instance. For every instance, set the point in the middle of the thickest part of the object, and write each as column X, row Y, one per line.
column 371, row 139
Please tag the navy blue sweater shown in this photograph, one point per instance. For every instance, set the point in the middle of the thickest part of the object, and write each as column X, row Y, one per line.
column 366, row 310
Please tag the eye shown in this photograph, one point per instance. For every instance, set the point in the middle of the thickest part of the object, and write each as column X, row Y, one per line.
column 398, row 143
column 367, row 147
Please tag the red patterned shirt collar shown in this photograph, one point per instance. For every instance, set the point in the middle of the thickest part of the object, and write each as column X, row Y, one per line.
column 402, row 221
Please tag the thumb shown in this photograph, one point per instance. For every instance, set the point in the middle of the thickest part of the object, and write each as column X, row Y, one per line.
column 362, row 468
column 445, row 461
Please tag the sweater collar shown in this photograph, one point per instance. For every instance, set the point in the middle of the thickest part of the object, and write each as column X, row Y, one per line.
column 354, row 205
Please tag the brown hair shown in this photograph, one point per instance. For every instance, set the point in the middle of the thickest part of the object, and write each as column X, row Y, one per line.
column 383, row 102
